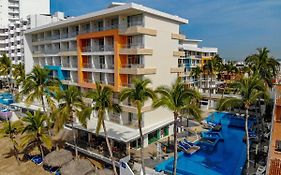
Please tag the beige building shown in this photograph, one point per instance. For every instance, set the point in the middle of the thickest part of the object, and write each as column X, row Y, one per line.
column 113, row 46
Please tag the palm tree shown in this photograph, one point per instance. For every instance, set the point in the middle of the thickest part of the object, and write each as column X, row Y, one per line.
column 230, row 69
column 196, row 73
column 181, row 101
column 35, row 131
column 263, row 65
column 138, row 95
column 103, row 101
column 70, row 106
column 38, row 84
column 11, row 129
column 250, row 89
column 18, row 73
column 6, row 69
column 266, row 67
column 211, row 67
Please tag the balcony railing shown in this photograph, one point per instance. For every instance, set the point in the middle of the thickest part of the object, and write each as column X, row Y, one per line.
column 100, row 48
column 133, row 66
column 73, row 34
column 88, row 80
column 87, row 65
column 133, row 46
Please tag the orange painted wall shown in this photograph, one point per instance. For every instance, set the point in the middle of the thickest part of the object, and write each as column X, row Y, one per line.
column 118, row 42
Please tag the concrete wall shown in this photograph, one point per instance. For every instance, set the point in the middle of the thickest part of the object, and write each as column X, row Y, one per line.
column 162, row 58
column 28, row 63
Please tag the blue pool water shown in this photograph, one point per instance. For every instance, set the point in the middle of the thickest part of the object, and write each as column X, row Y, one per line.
column 226, row 158
column 6, row 98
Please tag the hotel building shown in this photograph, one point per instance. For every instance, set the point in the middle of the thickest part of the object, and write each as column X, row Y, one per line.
column 14, row 10
column 195, row 56
column 113, row 46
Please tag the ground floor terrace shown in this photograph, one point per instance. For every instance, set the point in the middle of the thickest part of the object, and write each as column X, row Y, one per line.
column 123, row 139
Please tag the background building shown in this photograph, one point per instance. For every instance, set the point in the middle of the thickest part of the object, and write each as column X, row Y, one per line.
column 195, row 56
column 13, row 11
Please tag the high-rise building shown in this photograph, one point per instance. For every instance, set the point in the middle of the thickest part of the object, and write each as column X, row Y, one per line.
column 12, row 11
column 113, row 46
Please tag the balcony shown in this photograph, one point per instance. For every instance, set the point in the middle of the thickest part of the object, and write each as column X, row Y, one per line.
column 136, row 30
column 100, row 48
column 136, row 69
column 68, row 52
column 88, row 65
column 177, row 70
column 178, row 54
column 88, row 80
column 177, row 36
column 135, row 49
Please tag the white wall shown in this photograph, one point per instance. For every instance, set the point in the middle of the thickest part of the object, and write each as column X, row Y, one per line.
column 162, row 58
column 4, row 13
column 28, row 62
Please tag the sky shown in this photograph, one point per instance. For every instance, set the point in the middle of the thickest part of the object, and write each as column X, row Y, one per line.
column 236, row 27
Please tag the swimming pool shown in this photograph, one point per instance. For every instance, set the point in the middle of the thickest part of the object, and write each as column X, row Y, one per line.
column 6, row 98
column 226, row 158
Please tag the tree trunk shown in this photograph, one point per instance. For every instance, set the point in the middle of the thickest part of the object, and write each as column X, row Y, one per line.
column 141, row 137
column 43, row 104
column 175, row 144
column 247, row 142
column 74, row 139
column 210, row 97
column 13, row 142
column 109, row 148
column 40, row 148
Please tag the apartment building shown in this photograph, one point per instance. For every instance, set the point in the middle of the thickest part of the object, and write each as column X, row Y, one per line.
column 113, row 46
column 195, row 56
column 12, row 11
column 14, row 40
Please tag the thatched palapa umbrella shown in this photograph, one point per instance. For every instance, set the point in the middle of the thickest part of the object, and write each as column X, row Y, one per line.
column 58, row 158
column 78, row 167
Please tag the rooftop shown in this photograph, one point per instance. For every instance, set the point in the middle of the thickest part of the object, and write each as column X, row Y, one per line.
column 113, row 10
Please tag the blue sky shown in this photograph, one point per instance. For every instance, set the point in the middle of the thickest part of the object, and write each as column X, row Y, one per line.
column 236, row 27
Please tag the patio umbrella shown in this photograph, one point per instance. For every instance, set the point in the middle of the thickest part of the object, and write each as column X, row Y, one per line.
column 58, row 158
column 78, row 167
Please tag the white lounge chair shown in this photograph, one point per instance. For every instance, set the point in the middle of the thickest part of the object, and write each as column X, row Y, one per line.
column 261, row 170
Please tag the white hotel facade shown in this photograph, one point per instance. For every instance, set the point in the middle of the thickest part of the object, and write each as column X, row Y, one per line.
column 113, row 46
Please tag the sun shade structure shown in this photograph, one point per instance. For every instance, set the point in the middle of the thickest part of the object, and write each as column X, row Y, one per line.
column 78, row 167
column 58, row 158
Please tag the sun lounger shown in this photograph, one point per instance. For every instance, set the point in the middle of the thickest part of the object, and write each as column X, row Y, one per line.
column 37, row 160
column 260, row 170
column 188, row 149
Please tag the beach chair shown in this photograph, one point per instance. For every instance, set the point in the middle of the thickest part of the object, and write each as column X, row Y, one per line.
column 187, row 148
column 261, row 170
column 37, row 160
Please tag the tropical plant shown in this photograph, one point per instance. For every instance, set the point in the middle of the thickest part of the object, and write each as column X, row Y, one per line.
column 35, row 132
column 103, row 101
column 70, row 106
column 11, row 129
column 18, row 73
column 263, row 65
column 250, row 90
column 6, row 69
column 196, row 73
column 138, row 95
column 37, row 85
column 180, row 101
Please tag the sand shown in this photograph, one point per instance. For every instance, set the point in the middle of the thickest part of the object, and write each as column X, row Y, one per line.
column 9, row 166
